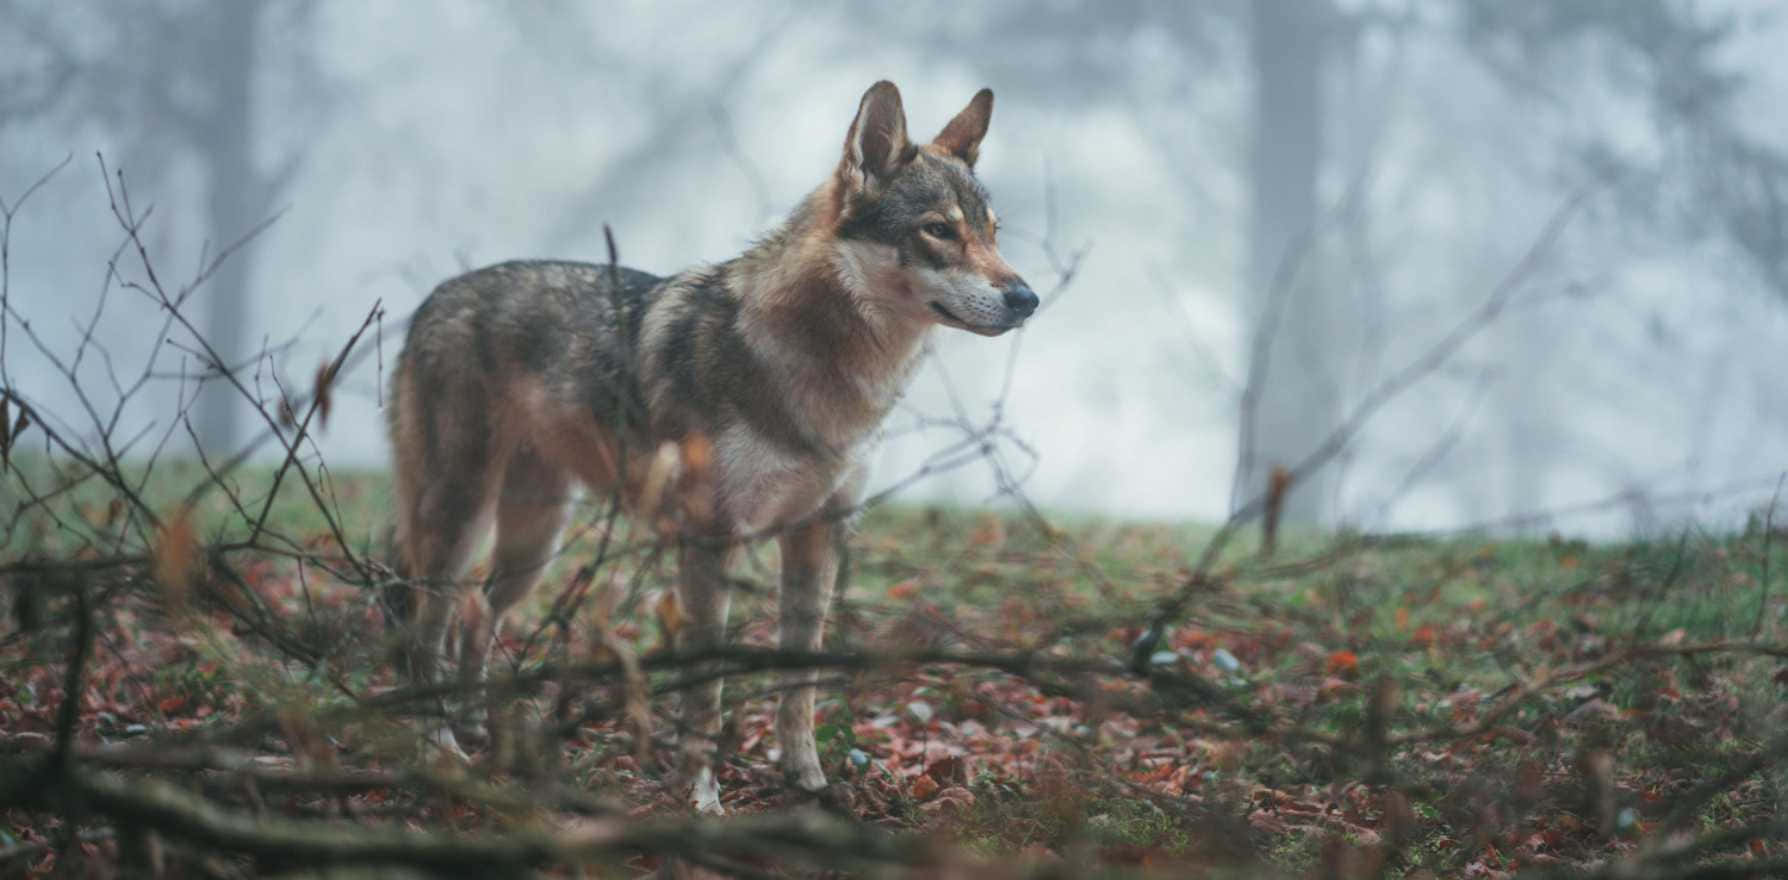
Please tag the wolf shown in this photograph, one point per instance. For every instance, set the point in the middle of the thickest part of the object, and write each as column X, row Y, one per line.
column 725, row 403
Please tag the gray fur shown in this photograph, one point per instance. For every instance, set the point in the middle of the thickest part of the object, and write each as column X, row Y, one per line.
column 758, row 382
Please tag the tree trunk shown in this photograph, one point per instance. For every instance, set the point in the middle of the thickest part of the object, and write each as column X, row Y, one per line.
column 236, row 197
column 1298, row 401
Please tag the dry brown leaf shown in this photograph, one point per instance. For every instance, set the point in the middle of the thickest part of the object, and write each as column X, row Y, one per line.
column 670, row 613
column 322, row 391
column 905, row 589
column 176, row 549
column 954, row 798
column 989, row 532
column 923, row 788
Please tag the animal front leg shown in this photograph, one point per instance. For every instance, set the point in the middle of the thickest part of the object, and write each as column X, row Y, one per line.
column 809, row 567
column 701, row 585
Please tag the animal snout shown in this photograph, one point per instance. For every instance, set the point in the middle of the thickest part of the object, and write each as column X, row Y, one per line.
column 1020, row 298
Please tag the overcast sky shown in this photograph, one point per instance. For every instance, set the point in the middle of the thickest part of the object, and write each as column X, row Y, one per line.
column 449, row 135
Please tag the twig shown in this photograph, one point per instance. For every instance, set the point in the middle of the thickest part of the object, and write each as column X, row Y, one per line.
column 1393, row 386
column 7, row 213
column 180, row 814
column 73, row 684
column 1527, row 690
column 331, row 374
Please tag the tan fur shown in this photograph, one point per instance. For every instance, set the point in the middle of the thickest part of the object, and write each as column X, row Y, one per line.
column 723, row 404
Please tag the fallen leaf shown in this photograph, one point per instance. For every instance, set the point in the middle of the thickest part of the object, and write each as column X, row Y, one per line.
column 670, row 613
column 176, row 549
column 923, row 787
column 920, row 710
column 953, row 798
column 948, row 770
column 322, row 392
column 989, row 532
column 1423, row 637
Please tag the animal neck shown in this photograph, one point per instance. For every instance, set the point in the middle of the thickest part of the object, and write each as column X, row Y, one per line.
column 808, row 314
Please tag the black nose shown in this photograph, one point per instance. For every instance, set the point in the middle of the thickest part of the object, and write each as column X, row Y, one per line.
column 1020, row 298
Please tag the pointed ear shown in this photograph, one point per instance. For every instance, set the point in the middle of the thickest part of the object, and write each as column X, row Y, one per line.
column 876, row 145
column 962, row 137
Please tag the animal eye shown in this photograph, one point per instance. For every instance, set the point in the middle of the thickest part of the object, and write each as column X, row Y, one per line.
column 940, row 231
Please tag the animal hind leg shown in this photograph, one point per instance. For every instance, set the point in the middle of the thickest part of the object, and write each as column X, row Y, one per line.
column 531, row 508
column 445, row 520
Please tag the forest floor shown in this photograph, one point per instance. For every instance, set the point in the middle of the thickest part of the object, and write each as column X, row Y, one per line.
column 1364, row 707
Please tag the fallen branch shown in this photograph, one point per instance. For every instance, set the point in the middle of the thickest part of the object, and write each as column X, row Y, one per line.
column 153, row 805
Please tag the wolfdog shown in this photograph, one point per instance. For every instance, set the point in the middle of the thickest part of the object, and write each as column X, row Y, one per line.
column 725, row 403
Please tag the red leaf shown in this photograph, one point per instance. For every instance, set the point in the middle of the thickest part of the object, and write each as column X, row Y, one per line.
column 924, row 787
column 948, row 770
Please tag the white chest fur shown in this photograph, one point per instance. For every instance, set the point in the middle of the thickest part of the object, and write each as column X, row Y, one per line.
column 763, row 485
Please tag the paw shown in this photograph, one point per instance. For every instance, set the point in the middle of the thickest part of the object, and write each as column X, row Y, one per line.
column 472, row 735
column 705, row 794
column 472, row 726
column 442, row 743
column 804, row 775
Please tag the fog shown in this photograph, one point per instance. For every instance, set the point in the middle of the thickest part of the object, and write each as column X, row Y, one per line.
column 1631, row 383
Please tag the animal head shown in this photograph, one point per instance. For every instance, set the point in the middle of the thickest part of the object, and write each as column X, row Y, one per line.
column 915, row 234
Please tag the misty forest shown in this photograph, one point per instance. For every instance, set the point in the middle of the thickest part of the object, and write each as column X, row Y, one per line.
column 1256, row 439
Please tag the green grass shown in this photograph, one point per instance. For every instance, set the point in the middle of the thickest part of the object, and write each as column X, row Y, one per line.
column 1451, row 624
column 357, row 500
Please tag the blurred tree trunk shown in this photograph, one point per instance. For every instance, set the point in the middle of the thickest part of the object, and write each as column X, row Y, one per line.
column 177, row 82
column 1298, row 400
column 237, row 196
